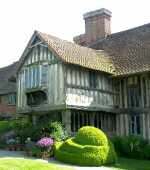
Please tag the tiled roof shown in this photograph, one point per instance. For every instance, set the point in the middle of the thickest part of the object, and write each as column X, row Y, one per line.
column 6, row 73
column 75, row 54
column 129, row 50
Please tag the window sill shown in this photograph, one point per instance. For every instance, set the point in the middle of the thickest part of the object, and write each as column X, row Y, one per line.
column 11, row 104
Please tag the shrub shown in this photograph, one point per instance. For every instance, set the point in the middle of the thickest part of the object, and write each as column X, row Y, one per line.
column 90, row 147
column 23, row 129
column 5, row 126
column 46, row 146
column 58, row 132
column 146, row 152
column 90, row 136
column 36, row 151
column 130, row 146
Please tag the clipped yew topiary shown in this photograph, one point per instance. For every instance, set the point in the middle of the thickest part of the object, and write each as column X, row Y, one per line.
column 90, row 147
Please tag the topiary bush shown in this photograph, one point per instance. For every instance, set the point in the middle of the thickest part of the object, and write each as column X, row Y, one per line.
column 90, row 147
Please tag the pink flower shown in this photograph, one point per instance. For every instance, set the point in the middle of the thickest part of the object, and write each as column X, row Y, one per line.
column 45, row 142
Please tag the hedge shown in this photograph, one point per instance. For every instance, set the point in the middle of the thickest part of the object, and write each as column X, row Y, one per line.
column 79, row 151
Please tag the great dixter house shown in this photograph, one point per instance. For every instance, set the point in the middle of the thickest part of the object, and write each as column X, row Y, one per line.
column 102, row 79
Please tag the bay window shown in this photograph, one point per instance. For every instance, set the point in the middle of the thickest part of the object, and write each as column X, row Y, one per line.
column 36, row 76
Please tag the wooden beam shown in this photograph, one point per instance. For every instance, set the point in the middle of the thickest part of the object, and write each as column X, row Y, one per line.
column 90, row 89
column 66, row 119
column 143, row 123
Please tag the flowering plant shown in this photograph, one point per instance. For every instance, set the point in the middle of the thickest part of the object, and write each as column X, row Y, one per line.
column 45, row 142
column 11, row 141
column 45, row 145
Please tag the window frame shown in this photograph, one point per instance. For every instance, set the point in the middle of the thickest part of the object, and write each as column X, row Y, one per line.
column 34, row 76
column 133, row 92
column 93, row 83
column 11, row 99
column 135, row 124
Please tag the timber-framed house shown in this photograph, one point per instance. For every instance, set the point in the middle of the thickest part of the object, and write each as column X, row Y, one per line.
column 102, row 79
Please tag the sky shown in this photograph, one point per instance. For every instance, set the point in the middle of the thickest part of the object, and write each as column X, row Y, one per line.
column 61, row 18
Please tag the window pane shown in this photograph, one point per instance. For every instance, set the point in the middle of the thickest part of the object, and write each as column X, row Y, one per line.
column 12, row 99
column 138, row 124
column 135, row 124
column 92, row 79
column 44, row 75
column 32, row 77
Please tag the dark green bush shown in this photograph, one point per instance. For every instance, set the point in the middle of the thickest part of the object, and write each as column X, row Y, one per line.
column 36, row 151
column 80, row 151
column 117, row 144
column 146, row 152
column 24, row 128
column 130, row 146
column 5, row 126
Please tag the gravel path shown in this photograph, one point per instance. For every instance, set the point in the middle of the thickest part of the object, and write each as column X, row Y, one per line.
column 19, row 154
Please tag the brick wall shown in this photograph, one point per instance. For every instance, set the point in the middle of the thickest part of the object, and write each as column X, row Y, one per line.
column 5, row 107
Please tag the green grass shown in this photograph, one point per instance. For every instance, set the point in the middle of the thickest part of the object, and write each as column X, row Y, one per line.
column 27, row 164
column 131, row 164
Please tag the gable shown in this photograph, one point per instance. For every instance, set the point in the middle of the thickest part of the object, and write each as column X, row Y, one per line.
column 35, row 41
column 39, row 53
column 36, row 51
column 70, row 53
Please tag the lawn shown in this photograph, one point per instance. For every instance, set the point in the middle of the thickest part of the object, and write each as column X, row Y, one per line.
column 27, row 164
column 131, row 164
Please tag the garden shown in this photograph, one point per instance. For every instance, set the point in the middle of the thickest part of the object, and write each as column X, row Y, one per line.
column 89, row 147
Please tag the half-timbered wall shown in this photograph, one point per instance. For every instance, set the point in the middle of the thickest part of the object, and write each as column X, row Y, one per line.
column 135, row 92
column 103, row 120
column 135, row 106
column 41, row 71
column 81, row 92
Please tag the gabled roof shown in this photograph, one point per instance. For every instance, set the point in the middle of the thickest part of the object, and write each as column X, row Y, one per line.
column 129, row 50
column 123, row 53
column 6, row 73
column 72, row 53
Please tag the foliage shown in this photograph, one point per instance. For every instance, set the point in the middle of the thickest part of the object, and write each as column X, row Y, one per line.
column 24, row 129
column 5, row 126
column 80, row 151
column 146, row 152
column 88, row 135
column 36, row 151
column 58, row 132
column 132, row 146
column 11, row 141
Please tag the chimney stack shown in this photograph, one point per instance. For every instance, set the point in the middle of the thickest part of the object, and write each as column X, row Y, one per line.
column 97, row 25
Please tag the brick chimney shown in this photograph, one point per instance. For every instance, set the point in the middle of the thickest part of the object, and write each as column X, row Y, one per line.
column 97, row 25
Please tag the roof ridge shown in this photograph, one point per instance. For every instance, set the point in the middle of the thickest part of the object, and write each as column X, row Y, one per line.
column 65, row 41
